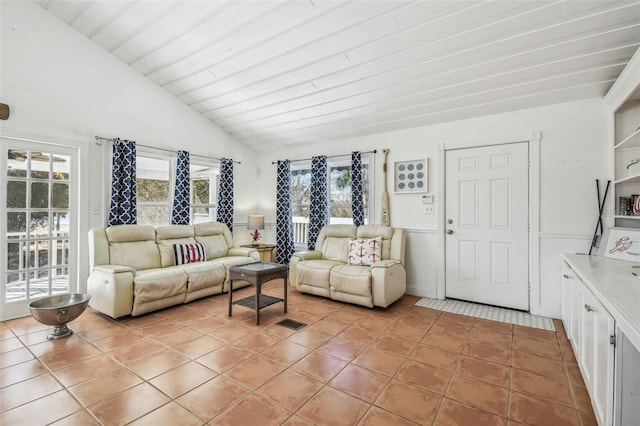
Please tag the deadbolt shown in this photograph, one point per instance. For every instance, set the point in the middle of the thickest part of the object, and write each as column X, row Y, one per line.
column 449, row 221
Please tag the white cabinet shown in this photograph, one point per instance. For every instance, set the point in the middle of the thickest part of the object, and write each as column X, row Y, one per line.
column 597, row 354
column 591, row 330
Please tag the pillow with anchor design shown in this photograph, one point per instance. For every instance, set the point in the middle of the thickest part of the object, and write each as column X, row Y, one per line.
column 364, row 251
column 189, row 253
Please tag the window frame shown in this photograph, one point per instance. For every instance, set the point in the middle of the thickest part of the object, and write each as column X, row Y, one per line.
column 333, row 162
column 172, row 160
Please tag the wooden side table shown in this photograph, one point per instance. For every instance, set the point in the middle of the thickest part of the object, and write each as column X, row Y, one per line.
column 267, row 251
column 257, row 274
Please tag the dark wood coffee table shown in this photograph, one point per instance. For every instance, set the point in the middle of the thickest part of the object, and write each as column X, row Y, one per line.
column 257, row 274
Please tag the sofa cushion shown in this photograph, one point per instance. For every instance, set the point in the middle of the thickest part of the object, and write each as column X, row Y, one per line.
column 315, row 273
column 364, row 251
column 352, row 279
column 204, row 274
column 168, row 236
column 152, row 284
column 189, row 253
column 372, row 231
column 216, row 236
column 133, row 246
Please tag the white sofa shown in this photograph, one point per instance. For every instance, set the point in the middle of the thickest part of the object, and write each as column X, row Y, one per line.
column 326, row 271
column 133, row 270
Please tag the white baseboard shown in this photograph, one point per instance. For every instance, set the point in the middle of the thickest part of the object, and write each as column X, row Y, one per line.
column 549, row 312
column 415, row 290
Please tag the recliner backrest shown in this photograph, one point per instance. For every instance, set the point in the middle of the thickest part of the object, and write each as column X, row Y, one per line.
column 333, row 241
column 216, row 236
column 134, row 246
column 167, row 236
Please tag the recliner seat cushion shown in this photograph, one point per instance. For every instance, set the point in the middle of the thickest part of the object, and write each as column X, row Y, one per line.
column 154, row 284
column 352, row 279
column 315, row 273
column 204, row 274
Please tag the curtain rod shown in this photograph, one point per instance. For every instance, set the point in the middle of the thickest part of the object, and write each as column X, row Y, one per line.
column 331, row 156
column 100, row 138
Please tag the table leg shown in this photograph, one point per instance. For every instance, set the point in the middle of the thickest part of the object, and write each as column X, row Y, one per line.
column 285, row 293
column 230, row 295
column 258, row 304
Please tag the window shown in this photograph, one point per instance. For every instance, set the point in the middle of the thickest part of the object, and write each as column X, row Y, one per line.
column 339, row 188
column 155, row 178
column 37, row 209
column 204, row 190
column 154, row 188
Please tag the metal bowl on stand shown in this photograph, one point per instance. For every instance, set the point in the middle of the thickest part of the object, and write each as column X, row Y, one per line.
column 58, row 311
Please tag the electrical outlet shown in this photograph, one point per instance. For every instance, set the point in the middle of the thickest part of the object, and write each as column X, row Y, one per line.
column 428, row 210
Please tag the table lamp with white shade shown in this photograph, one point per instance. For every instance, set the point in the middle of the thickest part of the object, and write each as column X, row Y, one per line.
column 255, row 222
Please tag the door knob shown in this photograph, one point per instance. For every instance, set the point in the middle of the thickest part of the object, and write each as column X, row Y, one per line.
column 449, row 231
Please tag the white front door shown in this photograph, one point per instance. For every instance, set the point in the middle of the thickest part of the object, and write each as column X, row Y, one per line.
column 487, row 222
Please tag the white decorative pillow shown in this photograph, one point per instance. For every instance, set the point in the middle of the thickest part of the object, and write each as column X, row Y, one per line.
column 189, row 253
column 364, row 251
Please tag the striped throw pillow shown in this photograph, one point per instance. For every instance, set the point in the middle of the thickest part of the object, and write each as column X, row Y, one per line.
column 189, row 253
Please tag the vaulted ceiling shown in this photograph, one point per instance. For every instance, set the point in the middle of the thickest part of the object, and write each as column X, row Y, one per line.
column 276, row 73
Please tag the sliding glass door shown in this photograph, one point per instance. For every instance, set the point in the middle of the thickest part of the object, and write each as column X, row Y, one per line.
column 38, row 210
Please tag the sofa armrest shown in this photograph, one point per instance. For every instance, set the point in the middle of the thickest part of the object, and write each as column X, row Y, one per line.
column 307, row 255
column 388, row 282
column 114, row 269
column 298, row 257
column 385, row 263
column 242, row 251
column 111, row 289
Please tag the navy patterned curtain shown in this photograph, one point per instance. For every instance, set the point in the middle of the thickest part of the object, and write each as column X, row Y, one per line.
column 225, row 193
column 357, row 208
column 284, row 221
column 180, row 210
column 123, row 208
column 319, row 211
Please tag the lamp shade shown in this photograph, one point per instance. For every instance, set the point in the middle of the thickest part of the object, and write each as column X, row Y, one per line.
column 255, row 221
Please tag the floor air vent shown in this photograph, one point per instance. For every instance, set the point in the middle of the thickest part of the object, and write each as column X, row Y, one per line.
column 292, row 324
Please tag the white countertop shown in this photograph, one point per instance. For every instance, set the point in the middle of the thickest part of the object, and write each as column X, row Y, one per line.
column 618, row 290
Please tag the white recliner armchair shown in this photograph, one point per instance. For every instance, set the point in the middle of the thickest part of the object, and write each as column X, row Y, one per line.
column 332, row 269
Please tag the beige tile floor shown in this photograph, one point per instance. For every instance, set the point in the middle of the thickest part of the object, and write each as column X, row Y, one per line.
column 193, row 365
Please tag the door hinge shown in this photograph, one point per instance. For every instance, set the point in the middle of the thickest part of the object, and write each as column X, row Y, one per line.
column 612, row 340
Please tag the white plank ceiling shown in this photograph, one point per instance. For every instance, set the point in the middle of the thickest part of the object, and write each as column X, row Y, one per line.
column 277, row 73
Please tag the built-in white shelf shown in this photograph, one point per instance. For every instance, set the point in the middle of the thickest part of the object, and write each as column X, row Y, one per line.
column 629, row 179
column 631, row 141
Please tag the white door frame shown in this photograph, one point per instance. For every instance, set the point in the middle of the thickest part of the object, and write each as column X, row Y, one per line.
column 534, row 211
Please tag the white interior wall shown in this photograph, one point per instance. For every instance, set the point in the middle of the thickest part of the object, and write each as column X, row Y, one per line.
column 573, row 153
column 62, row 88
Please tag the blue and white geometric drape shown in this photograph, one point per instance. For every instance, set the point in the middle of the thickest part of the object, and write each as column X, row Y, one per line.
column 123, row 209
column 319, row 210
column 284, row 222
column 225, row 193
column 357, row 209
column 180, row 210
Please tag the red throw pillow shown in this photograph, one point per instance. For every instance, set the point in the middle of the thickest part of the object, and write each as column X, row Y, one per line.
column 364, row 251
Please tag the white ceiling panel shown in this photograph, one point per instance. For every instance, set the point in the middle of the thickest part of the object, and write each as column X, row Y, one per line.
column 277, row 73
